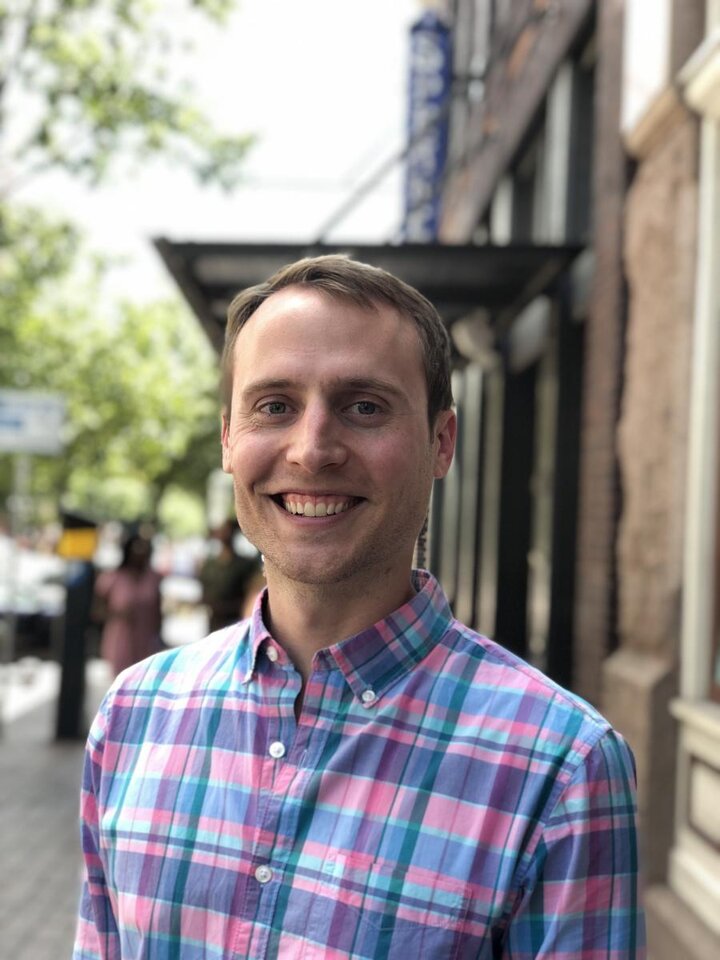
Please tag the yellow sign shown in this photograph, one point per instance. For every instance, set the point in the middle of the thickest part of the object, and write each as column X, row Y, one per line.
column 79, row 544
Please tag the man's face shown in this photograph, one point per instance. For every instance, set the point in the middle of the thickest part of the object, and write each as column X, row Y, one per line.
column 328, row 440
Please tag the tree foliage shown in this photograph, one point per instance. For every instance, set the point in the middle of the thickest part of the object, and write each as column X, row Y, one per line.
column 139, row 380
column 85, row 81
column 82, row 83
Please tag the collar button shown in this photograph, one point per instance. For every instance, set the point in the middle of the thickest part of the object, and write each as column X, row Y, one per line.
column 368, row 697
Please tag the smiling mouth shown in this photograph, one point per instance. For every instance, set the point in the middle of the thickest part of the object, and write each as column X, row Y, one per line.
column 308, row 506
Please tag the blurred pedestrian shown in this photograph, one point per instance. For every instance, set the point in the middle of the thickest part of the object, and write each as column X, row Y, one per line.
column 226, row 576
column 127, row 600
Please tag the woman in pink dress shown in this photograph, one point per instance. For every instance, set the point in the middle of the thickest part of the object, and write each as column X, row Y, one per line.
column 129, row 598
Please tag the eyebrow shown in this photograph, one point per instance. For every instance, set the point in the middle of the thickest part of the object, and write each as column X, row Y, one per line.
column 374, row 384
column 259, row 386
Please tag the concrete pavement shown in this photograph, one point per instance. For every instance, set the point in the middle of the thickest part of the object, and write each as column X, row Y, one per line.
column 39, row 845
column 40, row 861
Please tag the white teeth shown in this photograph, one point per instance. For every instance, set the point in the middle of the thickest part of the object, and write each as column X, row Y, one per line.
column 309, row 509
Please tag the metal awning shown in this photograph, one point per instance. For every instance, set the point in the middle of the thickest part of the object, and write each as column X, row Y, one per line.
column 456, row 279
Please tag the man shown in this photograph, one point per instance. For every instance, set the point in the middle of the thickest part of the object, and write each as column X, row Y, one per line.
column 226, row 578
column 350, row 773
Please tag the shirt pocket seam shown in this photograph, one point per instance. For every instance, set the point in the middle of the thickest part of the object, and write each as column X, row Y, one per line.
column 442, row 906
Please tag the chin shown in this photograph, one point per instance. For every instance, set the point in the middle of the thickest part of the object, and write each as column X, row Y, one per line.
column 318, row 570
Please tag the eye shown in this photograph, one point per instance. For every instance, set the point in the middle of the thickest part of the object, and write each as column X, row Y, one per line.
column 366, row 408
column 274, row 408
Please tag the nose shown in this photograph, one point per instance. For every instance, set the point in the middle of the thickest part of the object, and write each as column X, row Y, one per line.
column 316, row 441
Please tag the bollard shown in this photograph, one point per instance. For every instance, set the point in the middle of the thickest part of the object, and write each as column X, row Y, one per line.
column 77, row 544
column 71, row 699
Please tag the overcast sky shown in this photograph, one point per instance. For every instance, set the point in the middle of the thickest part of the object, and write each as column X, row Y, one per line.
column 322, row 84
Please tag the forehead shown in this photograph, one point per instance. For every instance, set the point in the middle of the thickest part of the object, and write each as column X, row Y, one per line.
column 307, row 301
column 308, row 329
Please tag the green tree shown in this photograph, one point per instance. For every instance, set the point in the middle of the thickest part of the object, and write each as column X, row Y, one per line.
column 82, row 84
column 139, row 381
column 86, row 81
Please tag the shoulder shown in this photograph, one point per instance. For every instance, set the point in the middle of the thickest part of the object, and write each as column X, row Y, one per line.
column 527, row 711
column 192, row 666
column 173, row 679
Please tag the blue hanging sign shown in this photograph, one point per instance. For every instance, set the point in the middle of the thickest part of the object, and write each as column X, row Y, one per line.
column 428, row 124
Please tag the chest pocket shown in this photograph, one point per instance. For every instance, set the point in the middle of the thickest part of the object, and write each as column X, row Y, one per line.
column 382, row 910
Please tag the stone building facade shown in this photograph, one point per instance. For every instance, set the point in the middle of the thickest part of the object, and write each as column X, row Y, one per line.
column 643, row 300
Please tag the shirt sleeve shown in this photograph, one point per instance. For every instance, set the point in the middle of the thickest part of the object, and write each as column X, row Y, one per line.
column 580, row 897
column 97, row 934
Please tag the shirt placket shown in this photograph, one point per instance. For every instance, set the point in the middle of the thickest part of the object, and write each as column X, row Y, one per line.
column 290, row 750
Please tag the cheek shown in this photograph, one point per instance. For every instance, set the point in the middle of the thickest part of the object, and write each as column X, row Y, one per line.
column 398, row 458
column 250, row 458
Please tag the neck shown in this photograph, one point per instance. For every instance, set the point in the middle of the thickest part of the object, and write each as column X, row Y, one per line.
column 305, row 618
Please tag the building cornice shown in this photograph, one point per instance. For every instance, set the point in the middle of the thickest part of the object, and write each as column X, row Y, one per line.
column 664, row 112
column 699, row 78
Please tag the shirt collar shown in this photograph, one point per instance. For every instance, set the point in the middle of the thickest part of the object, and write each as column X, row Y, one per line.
column 259, row 633
column 374, row 659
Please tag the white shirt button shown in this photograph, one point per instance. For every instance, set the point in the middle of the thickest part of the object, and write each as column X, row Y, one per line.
column 368, row 697
column 277, row 750
column 263, row 874
column 272, row 654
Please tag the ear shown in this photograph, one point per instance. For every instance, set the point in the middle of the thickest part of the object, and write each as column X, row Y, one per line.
column 225, row 441
column 444, row 433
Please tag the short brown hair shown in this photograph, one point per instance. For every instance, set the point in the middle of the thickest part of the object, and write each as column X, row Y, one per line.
column 367, row 286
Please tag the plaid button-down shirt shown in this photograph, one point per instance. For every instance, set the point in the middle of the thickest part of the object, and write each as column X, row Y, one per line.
column 438, row 798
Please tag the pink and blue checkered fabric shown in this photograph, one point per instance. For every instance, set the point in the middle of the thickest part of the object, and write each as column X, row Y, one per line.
column 438, row 798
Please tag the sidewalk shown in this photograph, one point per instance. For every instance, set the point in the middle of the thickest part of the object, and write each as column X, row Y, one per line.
column 39, row 836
